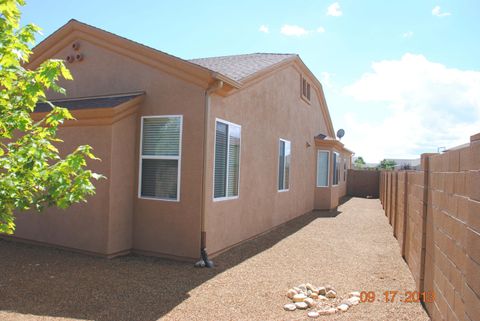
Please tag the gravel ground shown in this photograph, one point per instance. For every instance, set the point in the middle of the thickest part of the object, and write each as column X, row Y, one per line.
column 352, row 249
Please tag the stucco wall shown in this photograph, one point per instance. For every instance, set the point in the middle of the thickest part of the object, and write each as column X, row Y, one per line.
column 122, row 185
column 83, row 226
column 159, row 227
column 267, row 111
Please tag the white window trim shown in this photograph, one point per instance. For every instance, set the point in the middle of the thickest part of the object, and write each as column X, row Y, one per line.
column 179, row 158
column 335, row 172
column 278, row 166
column 328, row 168
column 226, row 198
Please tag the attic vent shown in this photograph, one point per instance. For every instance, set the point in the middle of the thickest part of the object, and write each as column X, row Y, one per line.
column 305, row 89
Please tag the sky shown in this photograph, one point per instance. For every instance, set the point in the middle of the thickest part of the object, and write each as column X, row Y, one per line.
column 400, row 77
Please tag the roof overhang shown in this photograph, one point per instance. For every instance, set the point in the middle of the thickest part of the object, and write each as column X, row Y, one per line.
column 75, row 30
column 331, row 143
column 300, row 66
column 97, row 115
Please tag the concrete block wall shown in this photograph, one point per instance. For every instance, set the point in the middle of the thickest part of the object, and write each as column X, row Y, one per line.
column 435, row 215
column 363, row 183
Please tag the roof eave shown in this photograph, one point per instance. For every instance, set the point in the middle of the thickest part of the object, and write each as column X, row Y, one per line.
column 99, row 116
column 332, row 143
column 171, row 64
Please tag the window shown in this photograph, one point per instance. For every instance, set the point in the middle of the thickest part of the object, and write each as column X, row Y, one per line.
column 284, row 157
column 305, row 89
column 322, row 168
column 160, row 151
column 227, row 160
column 336, row 168
column 345, row 170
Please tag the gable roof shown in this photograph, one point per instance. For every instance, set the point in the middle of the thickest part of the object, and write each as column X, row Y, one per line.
column 240, row 67
column 234, row 71
column 75, row 29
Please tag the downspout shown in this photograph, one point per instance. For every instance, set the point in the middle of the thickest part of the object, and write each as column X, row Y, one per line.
column 204, row 261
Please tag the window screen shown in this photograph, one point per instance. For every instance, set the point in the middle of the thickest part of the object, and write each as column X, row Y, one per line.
column 284, row 159
column 336, row 168
column 160, row 157
column 227, row 160
column 322, row 168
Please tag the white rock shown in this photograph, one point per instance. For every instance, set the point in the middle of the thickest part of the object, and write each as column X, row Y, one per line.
column 311, row 287
column 290, row 307
column 322, row 298
column 301, row 305
column 313, row 314
column 303, row 288
column 291, row 293
column 347, row 303
column 354, row 300
column 299, row 297
column 355, row 293
column 327, row 311
column 309, row 301
column 314, row 296
column 331, row 294
column 342, row 307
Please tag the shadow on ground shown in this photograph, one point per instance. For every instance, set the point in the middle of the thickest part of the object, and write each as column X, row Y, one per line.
column 57, row 283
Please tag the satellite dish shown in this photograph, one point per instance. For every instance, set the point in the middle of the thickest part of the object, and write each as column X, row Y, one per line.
column 340, row 133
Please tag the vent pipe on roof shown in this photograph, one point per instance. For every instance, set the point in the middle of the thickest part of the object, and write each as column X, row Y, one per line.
column 204, row 261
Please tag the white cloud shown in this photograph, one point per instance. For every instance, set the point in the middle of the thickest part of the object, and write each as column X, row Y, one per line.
column 264, row 29
column 334, row 10
column 326, row 79
column 437, row 12
column 321, row 29
column 408, row 34
column 428, row 105
column 293, row 30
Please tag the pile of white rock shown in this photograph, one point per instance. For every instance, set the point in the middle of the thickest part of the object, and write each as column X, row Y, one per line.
column 321, row 300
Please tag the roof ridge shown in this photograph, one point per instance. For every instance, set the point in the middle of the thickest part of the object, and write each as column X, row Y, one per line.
column 73, row 21
column 247, row 54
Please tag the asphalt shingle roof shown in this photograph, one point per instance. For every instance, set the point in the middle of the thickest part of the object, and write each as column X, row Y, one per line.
column 239, row 67
column 89, row 102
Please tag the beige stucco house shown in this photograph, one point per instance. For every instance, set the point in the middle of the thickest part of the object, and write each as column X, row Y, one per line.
column 200, row 153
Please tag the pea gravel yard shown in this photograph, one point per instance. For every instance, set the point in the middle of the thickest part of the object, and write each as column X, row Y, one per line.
column 351, row 249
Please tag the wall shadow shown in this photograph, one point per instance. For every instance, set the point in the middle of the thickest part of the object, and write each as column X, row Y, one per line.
column 45, row 281
column 333, row 212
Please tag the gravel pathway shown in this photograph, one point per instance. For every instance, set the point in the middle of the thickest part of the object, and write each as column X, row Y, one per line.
column 352, row 250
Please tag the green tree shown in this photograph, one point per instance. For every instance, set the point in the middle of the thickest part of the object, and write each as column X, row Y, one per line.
column 387, row 164
column 32, row 173
column 359, row 162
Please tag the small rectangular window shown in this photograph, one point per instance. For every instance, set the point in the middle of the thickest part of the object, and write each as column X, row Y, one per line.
column 336, row 168
column 284, row 159
column 227, row 160
column 323, row 168
column 305, row 88
column 160, row 157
